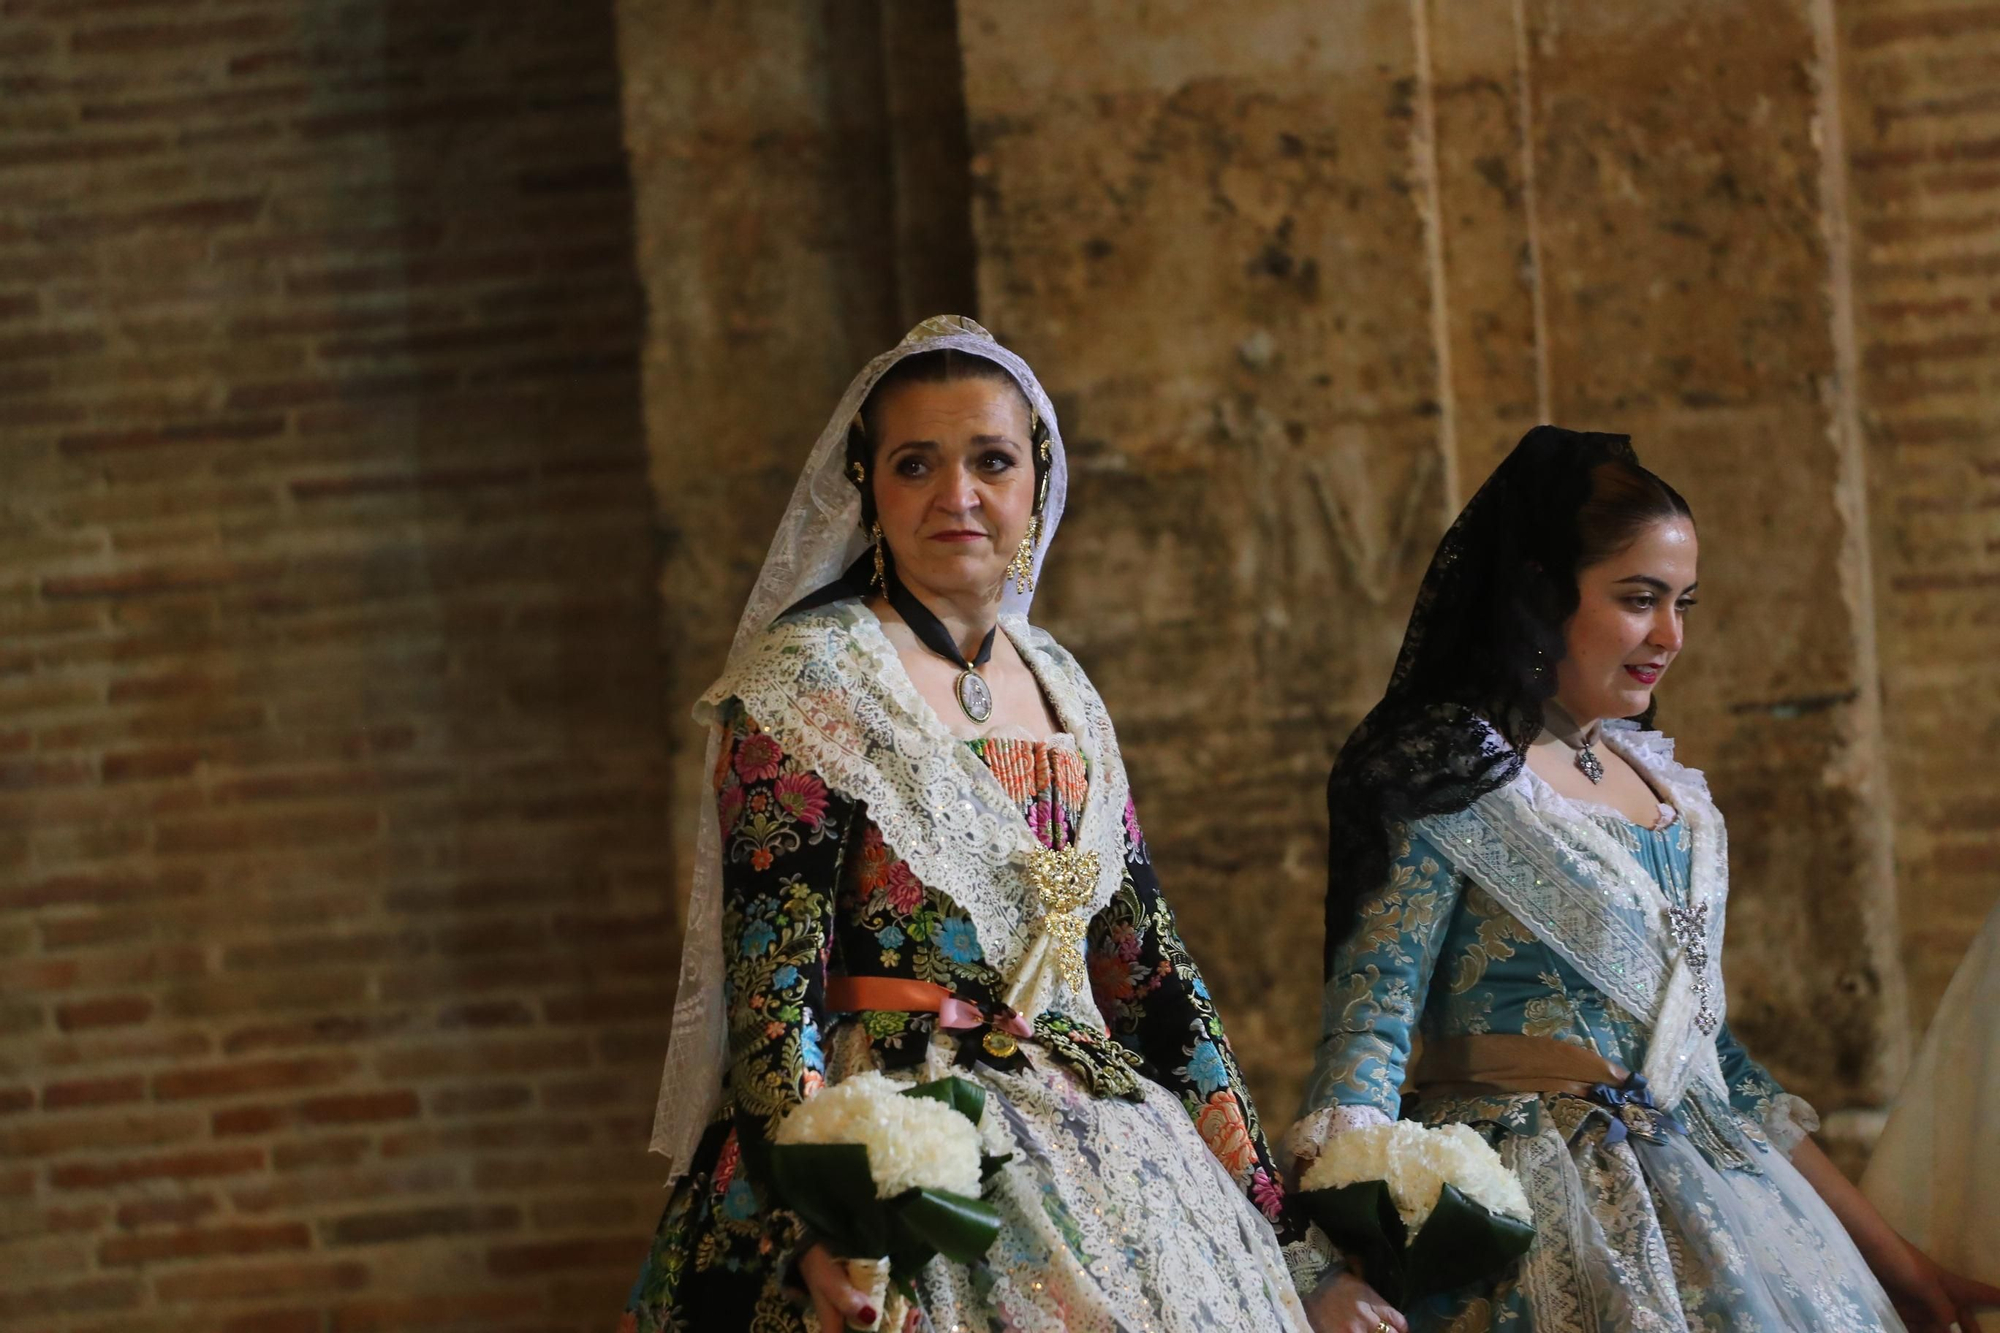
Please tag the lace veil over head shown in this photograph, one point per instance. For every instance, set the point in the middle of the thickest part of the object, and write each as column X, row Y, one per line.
column 818, row 539
column 1477, row 664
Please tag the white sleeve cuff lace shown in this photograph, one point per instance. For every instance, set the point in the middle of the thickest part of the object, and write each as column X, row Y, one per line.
column 1788, row 1120
column 1304, row 1140
column 1311, row 1261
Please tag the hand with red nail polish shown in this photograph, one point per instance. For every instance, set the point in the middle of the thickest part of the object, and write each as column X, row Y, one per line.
column 835, row 1300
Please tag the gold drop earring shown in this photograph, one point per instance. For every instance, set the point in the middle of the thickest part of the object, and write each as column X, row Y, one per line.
column 1022, row 566
column 881, row 575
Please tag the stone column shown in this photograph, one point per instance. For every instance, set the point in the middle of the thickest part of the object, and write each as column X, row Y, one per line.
column 1204, row 227
column 799, row 173
column 766, row 244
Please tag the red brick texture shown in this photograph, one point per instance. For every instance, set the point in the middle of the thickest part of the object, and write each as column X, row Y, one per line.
column 1924, row 151
column 334, row 962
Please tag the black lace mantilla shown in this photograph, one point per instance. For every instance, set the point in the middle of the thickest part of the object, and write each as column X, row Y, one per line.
column 1478, row 662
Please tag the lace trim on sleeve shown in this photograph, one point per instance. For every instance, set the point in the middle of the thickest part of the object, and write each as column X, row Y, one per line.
column 1311, row 1261
column 1305, row 1139
column 1788, row 1120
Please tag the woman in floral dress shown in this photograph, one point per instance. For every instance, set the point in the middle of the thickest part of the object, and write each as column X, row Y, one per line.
column 1537, row 890
column 922, row 857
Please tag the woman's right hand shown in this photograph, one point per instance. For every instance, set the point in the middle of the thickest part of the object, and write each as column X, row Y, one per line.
column 835, row 1300
column 1343, row 1303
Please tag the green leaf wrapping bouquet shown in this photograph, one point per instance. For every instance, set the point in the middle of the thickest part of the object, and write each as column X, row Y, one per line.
column 1424, row 1210
column 888, row 1176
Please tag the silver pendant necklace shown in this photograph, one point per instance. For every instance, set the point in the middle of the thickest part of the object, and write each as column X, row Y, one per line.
column 1580, row 739
column 975, row 696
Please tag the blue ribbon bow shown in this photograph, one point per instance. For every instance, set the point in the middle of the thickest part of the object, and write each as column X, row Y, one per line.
column 1632, row 1108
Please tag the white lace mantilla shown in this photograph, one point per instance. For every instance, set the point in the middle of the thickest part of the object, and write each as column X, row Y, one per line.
column 1583, row 894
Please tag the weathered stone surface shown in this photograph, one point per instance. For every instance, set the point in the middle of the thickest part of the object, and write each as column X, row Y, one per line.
column 757, row 135
column 1488, row 305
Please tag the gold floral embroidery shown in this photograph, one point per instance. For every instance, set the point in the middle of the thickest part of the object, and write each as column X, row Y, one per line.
column 1498, row 933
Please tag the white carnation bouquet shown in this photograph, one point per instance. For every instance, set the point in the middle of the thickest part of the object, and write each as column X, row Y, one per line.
column 1425, row 1210
column 889, row 1176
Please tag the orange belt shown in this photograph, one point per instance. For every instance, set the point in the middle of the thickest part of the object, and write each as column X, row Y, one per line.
column 1486, row 1064
column 849, row 995
column 1505, row 1062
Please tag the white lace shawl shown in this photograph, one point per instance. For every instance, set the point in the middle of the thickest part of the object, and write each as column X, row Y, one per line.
column 830, row 689
column 1581, row 892
column 818, row 537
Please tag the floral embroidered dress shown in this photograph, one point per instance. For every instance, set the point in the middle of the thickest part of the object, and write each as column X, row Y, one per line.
column 1141, row 1194
column 1534, row 915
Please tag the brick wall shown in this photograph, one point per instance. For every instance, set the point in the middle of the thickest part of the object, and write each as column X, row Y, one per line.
column 333, row 946
column 1923, row 124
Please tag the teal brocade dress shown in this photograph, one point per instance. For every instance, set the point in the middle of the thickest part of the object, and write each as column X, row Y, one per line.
column 1142, row 1193
column 1712, row 1229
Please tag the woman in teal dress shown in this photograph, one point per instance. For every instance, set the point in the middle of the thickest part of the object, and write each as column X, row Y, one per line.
column 920, row 856
column 1528, row 894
